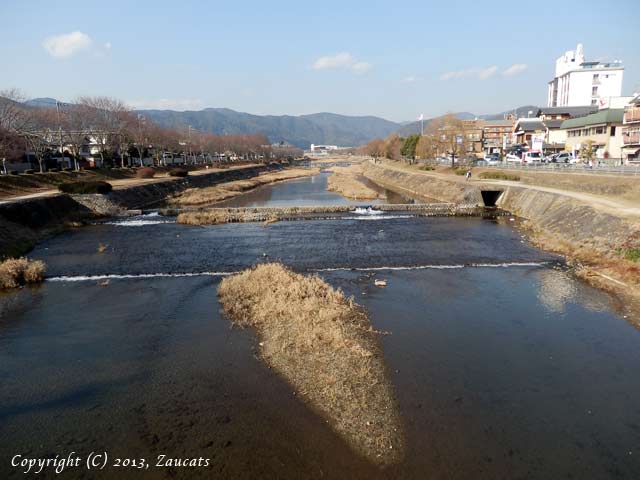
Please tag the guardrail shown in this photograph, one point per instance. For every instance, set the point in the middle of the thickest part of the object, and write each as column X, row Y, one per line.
column 569, row 168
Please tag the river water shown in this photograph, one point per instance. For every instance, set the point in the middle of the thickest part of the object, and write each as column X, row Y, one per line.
column 504, row 364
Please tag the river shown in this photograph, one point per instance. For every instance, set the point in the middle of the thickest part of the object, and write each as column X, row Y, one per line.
column 504, row 364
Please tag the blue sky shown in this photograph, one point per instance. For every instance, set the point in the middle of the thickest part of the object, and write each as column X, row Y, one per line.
column 394, row 60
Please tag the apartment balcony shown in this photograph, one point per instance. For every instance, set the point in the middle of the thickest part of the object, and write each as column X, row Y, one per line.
column 632, row 115
column 631, row 137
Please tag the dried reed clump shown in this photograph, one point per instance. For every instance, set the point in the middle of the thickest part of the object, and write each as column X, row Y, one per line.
column 16, row 272
column 323, row 344
column 223, row 191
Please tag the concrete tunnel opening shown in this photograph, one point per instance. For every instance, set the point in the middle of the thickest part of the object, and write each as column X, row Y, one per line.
column 490, row 197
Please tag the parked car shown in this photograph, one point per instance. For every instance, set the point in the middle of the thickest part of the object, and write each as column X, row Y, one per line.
column 531, row 157
column 513, row 158
column 550, row 158
column 492, row 159
column 565, row 157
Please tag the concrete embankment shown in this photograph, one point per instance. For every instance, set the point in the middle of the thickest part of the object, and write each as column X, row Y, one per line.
column 24, row 222
column 595, row 238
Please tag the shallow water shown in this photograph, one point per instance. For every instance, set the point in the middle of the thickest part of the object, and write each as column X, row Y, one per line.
column 504, row 364
column 303, row 192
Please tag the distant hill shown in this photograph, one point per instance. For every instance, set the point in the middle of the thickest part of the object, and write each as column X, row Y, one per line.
column 519, row 112
column 302, row 131
column 42, row 102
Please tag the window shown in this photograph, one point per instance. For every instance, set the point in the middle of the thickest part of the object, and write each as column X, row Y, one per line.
column 594, row 91
column 594, row 101
column 613, row 131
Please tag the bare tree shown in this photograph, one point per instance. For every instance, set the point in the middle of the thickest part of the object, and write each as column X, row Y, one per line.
column 392, row 147
column 449, row 136
column 375, row 149
column 12, row 122
column 108, row 121
column 38, row 132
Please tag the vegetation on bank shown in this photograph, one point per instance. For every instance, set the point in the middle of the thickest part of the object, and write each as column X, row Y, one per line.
column 17, row 272
column 145, row 172
column 323, row 345
column 349, row 182
column 194, row 197
column 498, row 175
column 633, row 254
column 178, row 172
column 85, row 187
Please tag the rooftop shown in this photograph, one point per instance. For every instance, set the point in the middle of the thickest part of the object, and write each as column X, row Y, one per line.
column 571, row 111
column 608, row 115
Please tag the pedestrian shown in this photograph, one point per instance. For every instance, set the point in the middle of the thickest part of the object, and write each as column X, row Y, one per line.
column 468, row 175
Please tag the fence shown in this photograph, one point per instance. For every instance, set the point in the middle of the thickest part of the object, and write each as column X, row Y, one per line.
column 605, row 169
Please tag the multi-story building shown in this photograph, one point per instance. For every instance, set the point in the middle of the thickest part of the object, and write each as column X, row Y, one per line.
column 473, row 133
column 603, row 130
column 631, row 131
column 524, row 130
column 578, row 82
column 496, row 135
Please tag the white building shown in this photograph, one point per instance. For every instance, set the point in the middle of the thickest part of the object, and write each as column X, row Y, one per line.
column 580, row 83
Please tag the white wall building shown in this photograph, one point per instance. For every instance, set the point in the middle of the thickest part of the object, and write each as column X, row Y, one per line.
column 581, row 83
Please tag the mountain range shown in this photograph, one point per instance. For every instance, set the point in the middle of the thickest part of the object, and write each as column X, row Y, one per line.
column 301, row 130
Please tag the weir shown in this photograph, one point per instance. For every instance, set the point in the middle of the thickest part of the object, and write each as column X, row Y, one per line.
column 261, row 214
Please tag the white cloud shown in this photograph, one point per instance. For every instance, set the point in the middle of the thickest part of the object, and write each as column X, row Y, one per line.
column 107, row 46
column 515, row 69
column 409, row 79
column 342, row 60
column 179, row 104
column 479, row 73
column 67, row 44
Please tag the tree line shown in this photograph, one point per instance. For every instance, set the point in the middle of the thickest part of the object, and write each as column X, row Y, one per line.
column 446, row 136
column 116, row 135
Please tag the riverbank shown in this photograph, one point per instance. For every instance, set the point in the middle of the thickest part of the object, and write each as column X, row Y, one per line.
column 24, row 222
column 601, row 241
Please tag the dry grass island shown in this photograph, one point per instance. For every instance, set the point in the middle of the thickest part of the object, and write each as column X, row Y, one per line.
column 324, row 346
column 17, row 272
column 350, row 183
column 195, row 197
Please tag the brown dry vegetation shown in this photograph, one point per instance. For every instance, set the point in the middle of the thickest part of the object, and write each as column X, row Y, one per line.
column 16, row 272
column 349, row 182
column 323, row 345
column 194, row 197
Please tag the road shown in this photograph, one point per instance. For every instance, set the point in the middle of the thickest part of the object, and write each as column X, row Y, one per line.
column 616, row 206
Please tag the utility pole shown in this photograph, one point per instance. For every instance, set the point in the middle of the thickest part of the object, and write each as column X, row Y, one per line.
column 190, row 155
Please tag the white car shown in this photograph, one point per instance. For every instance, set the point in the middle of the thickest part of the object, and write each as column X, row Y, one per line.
column 531, row 157
column 512, row 158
